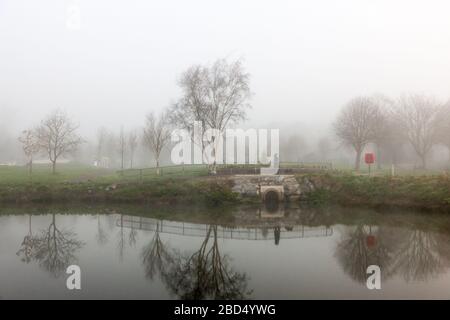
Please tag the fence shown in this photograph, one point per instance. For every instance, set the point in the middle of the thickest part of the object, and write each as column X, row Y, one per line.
column 222, row 169
column 253, row 232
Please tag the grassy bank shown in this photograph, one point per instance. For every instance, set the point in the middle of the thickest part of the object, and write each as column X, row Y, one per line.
column 86, row 184
column 157, row 191
column 419, row 192
column 77, row 183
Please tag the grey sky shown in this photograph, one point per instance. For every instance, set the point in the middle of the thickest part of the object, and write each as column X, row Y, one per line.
column 306, row 58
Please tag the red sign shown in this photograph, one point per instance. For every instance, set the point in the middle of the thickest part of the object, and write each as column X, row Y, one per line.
column 371, row 241
column 369, row 158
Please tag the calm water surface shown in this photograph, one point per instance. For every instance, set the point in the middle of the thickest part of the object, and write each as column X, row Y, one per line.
column 286, row 253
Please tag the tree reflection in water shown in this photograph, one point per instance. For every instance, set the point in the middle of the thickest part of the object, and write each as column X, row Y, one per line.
column 419, row 257
column 204, row 274
column 413, row 254
column 156, row 256
column 54, row 249
column 28, row 243
column 355, row 252
column 102, row 236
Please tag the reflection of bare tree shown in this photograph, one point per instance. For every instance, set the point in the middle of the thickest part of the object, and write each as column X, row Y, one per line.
column 155, row 256
column 121, row 242
column 356, row 252
column 102, row 236
column 206, row 273
column 419, row 257
column 132, row 237
column 28, row 243
column 414, row 254
column 54, row 249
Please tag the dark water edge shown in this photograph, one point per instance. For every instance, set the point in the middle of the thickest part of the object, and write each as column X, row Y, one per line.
column 325, row 214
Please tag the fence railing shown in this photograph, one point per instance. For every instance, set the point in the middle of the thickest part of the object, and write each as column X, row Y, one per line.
column 251, row 232
column 141, row 174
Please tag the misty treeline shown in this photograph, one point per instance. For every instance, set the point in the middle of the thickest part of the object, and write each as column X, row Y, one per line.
column 401, row 130
column 413, row 130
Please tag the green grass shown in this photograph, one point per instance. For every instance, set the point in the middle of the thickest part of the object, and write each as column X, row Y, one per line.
column 75, row 182
column 42, row 174
column 421, row 192
column 385, row 170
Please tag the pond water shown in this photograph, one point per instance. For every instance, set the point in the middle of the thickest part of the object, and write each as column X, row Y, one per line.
column 256, row 253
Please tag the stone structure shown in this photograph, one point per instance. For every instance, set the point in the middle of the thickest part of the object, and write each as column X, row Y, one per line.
column 286, row 186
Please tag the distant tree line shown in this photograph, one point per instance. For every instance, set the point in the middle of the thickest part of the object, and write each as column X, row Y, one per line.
column 417, row 120
column 218, row 96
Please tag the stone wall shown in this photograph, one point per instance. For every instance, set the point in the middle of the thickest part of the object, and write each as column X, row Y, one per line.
column 249, row 185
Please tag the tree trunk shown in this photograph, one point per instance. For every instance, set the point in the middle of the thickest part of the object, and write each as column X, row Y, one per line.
column 213, row 170
column 358, row 159
column 157, row 167
column 53, row 167
column 424, row 161
column 30, row 168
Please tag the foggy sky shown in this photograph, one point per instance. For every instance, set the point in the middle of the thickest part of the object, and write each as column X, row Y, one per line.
column 306, row 58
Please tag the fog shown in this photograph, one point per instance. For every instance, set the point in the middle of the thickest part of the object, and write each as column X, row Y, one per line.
column 306, row 59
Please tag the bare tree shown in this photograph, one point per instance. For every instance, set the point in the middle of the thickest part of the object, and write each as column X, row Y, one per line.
column 57, row 136
column 30, row 146
column 444, row 128
column 102, row 137
column 122, row 147
column 383, row 130
column 156, row 134
column 132, row 145
column 356, row 124
column 418, row 118
column 216, row 96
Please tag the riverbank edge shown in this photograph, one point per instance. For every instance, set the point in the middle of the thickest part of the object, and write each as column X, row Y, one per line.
column 419, row 193
column 423, row 193
column 170, row 191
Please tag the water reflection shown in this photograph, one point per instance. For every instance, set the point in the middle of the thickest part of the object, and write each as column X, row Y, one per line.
column 413, row 254
column 53, row 249
column 156, row 256
column 205, row 273
column 205, row 256
column 102, row 236
column 27, row 246
column 363, row 246
column 422, row 255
